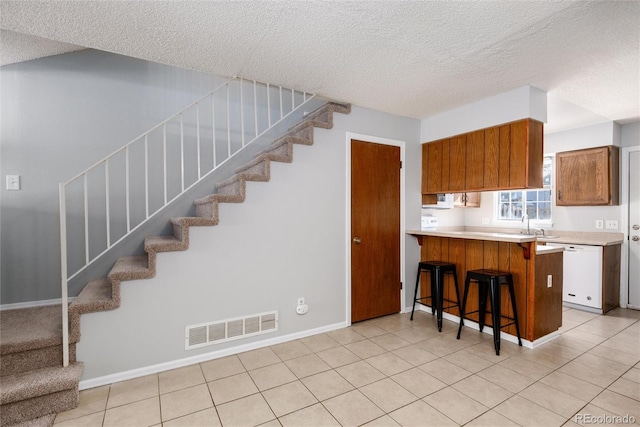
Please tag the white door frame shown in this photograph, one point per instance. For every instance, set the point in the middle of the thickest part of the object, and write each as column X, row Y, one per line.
column 385, row 141
column 624, row 217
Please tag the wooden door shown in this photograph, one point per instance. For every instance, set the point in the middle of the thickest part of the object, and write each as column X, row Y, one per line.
column 375, row 230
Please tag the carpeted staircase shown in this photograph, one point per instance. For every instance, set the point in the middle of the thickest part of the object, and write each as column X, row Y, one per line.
column 34, row 385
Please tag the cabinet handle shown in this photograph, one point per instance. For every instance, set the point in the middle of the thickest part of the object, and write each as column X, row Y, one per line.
column 559, row 194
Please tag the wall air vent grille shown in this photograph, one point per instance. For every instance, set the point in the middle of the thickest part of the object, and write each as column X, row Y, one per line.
column 221, row 331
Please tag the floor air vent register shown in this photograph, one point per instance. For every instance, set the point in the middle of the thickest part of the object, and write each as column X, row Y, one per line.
column 206, row 334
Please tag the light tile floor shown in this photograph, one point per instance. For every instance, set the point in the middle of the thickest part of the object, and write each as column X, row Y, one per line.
column 392, row 371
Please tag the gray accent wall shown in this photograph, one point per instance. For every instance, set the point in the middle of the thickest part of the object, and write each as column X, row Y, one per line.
column 60, row 115
column 287, row 240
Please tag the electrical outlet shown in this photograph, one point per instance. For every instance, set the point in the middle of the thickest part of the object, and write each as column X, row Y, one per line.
column 599, row 224
column 485, row 221
column 611, row 224
column 549, row 280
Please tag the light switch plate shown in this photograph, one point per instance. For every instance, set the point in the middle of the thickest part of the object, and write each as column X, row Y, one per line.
column 13, row 182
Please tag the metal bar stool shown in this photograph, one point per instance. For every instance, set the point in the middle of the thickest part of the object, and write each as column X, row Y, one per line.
column 437, row 270
column 489, row 282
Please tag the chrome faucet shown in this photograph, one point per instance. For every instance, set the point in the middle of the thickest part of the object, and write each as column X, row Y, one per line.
column 525, row 217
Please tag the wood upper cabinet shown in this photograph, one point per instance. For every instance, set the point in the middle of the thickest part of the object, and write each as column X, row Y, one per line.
column 457, row 163
column 588, row 177
column 475, row 160
column 502, row 157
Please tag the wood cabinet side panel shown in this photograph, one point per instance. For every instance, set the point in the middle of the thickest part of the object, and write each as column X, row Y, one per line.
column 611, row 257
column 535, row 154
column 614, row 174
column 547, row 301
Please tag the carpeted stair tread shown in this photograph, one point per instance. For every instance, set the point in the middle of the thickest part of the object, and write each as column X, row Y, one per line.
column 97, row 295
column 30, row 328
column 132, row 268
column 163, row 244
column 26, row 385
column 219, row 198
column 194, row 221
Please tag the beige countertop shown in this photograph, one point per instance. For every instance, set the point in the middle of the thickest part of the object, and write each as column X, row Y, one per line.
column 514, row 236
column 476, row 235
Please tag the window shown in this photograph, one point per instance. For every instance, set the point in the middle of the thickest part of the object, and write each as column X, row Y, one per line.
column 513, row 205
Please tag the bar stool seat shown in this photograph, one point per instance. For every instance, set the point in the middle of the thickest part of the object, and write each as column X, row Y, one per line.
column 489, row 282
column 437, row 269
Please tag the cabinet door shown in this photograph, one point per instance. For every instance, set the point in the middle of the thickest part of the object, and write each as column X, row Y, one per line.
column 491, row 158
column 434, row 167
column 583, row 177
column 457, row 162
column 474, row 179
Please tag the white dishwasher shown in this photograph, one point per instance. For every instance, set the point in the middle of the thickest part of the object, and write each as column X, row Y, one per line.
column 582, row 275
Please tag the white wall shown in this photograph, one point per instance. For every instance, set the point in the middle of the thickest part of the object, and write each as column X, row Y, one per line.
column 630, row 134
column 287, row 240
column 61, row 114
column 520, row 103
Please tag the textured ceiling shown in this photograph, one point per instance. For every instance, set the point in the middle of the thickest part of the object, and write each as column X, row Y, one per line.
column 412, row 58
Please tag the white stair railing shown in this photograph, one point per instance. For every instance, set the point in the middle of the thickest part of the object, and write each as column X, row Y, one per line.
column 102, row 205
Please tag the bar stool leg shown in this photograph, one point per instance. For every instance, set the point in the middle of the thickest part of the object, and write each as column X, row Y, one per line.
column 482, row 303
column 467, row 282
column 513, row 305
column 455, row 283
column 434, row 292
column 436, row 277
column 494, row 286
column 415, row 293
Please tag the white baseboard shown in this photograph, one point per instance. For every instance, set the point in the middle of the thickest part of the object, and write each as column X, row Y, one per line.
column 174, row 364
column 489, row 331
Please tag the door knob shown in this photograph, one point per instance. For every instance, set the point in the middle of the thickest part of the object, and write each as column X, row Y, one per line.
column 635, row 238
column 357, row 240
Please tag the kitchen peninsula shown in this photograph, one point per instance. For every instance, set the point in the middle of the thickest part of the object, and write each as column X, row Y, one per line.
column 536, row 271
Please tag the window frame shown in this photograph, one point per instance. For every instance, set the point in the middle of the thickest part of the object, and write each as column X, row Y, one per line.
column 550, row 158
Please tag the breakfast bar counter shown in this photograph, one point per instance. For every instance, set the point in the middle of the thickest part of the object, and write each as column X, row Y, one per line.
column 536, row 271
